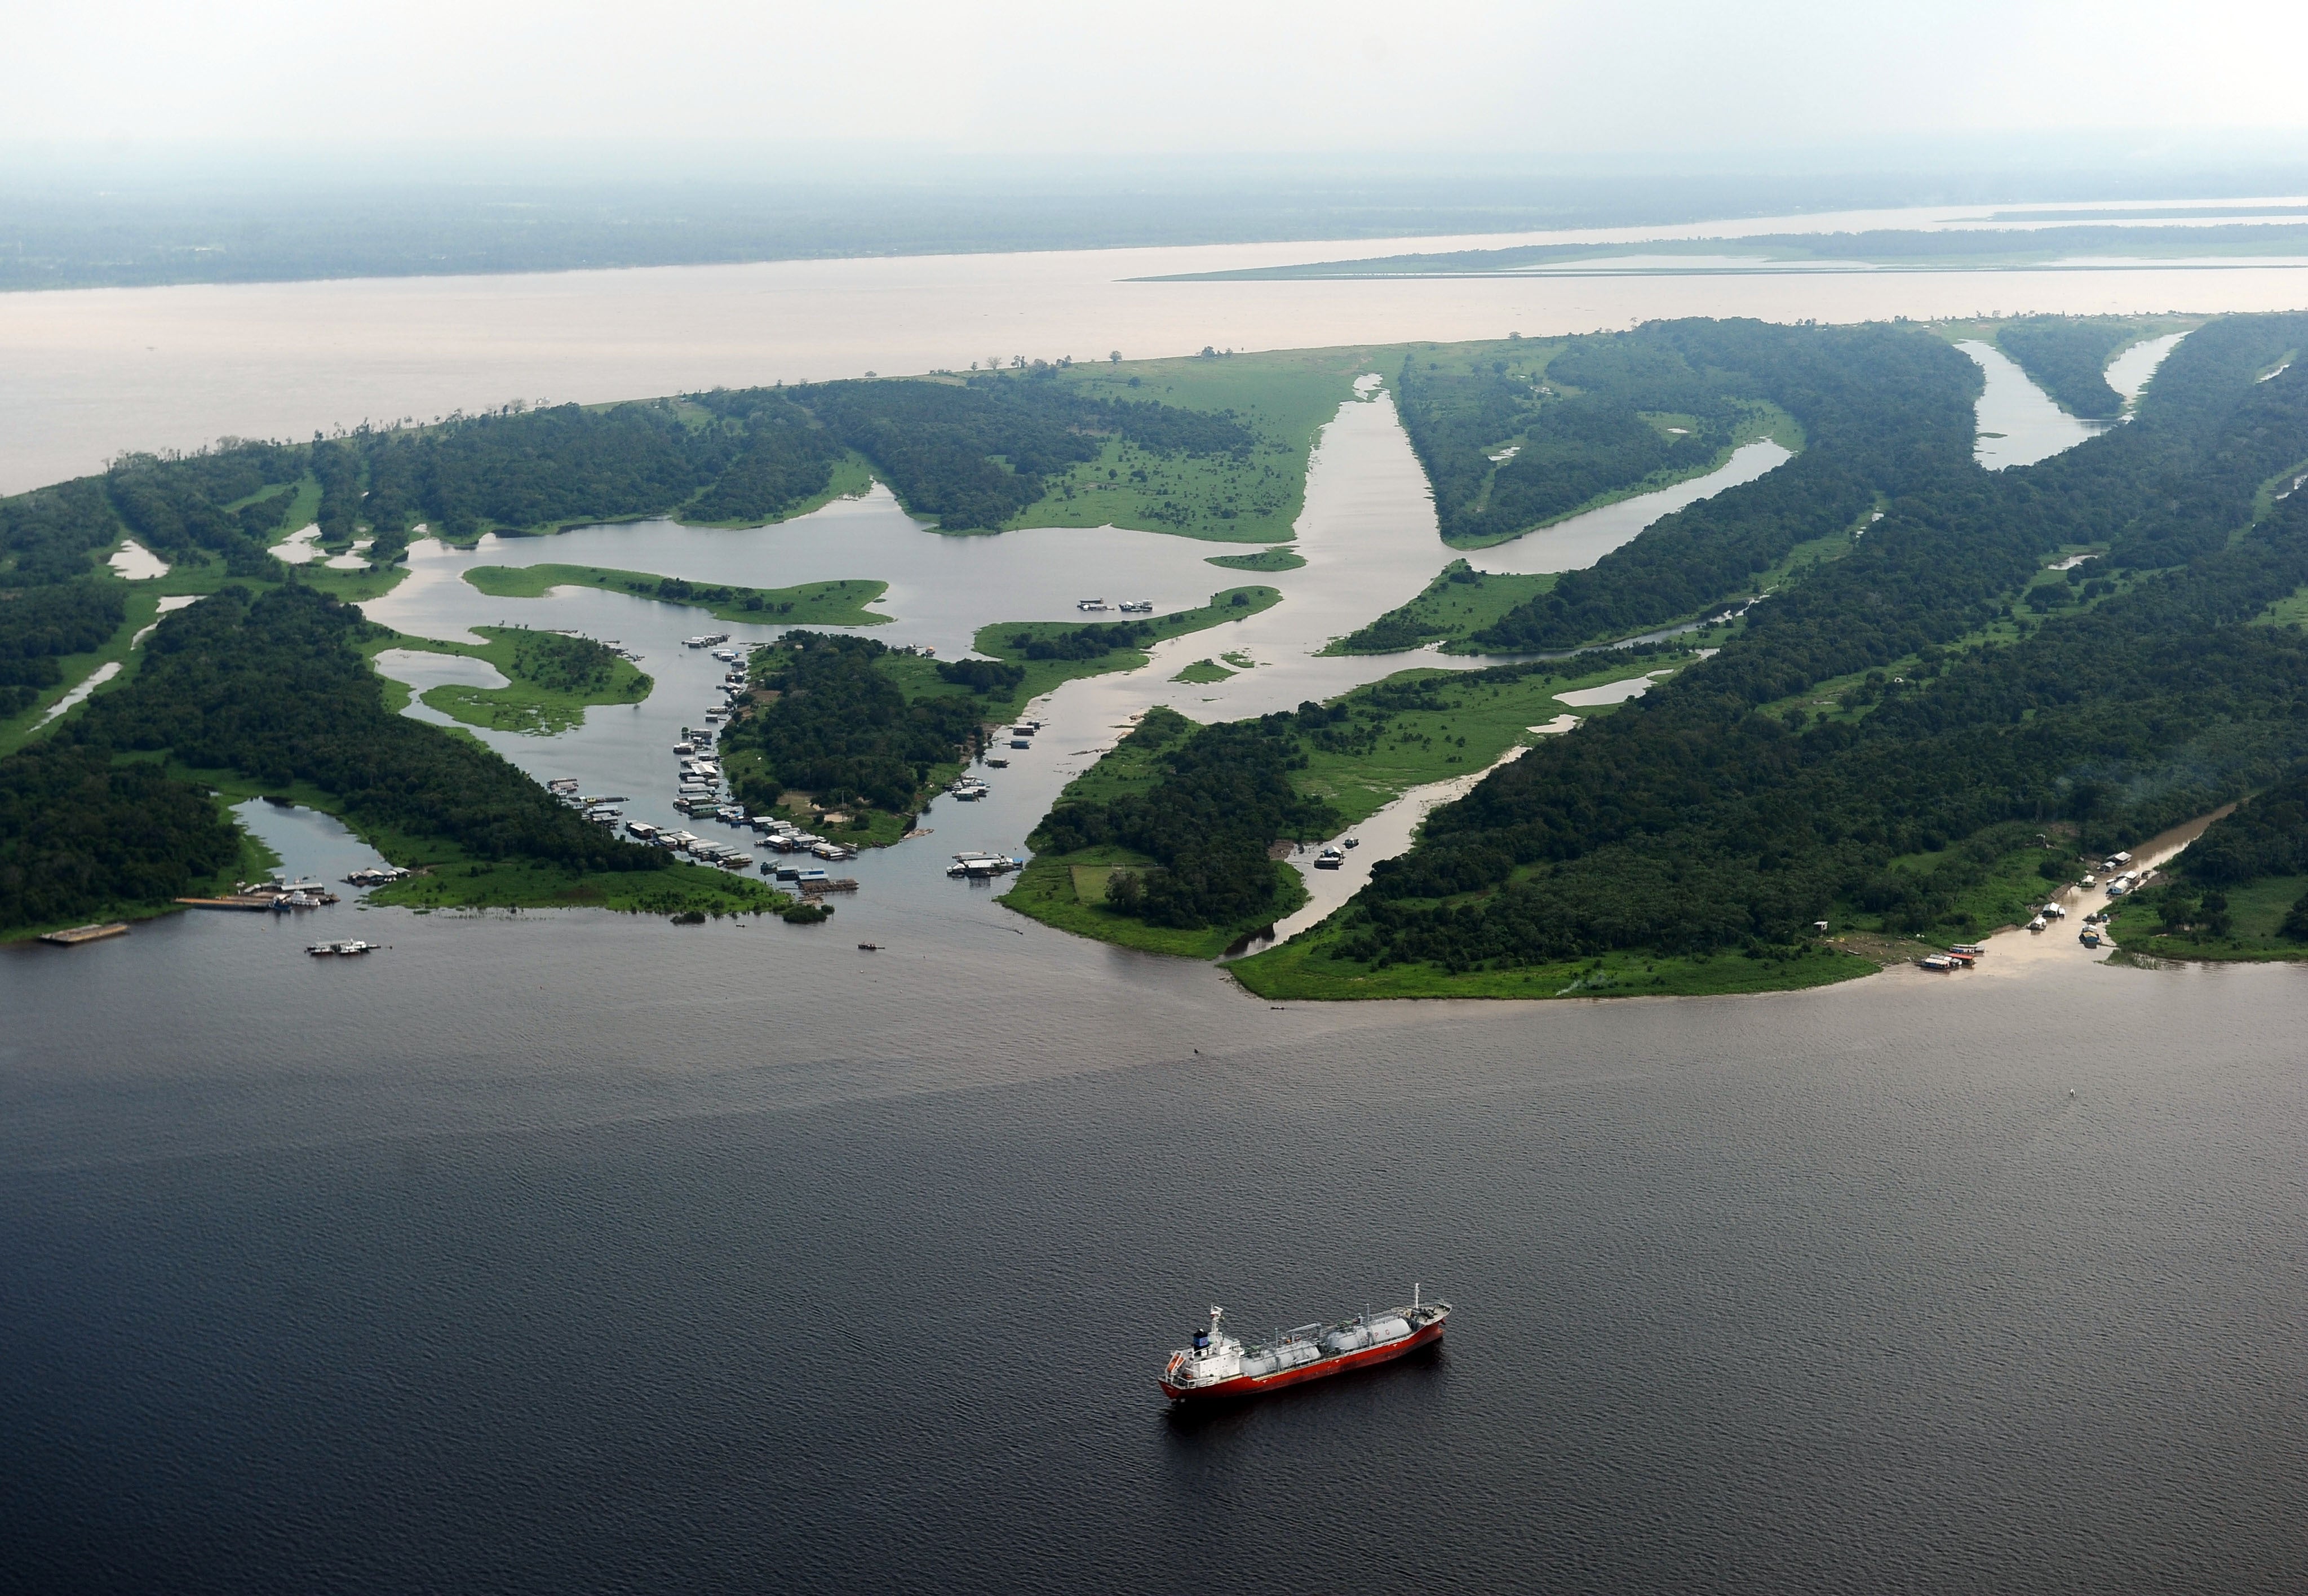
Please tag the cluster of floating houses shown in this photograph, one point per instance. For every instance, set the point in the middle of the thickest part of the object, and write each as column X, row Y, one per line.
column 1963, row 956
column 1127, row 606
column 278, row 895
column 969, row 789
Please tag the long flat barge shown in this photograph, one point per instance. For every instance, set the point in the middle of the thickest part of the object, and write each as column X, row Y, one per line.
column 77, row 935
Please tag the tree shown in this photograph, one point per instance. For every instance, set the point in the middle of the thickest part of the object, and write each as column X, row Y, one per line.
column 1114, row 357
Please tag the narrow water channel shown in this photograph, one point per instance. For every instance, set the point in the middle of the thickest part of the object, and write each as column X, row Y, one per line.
column 2019, row 424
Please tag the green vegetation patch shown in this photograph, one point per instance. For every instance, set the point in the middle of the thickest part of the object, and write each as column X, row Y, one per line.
column 809, row 604
column 1456, row 605
column 1251, row 492
column 829, row 725
column 1265, row 559
column 499, row 884
column 1368, row 749
column 2067, row 357
column 553, row 678
column 1194, row 813
column 1051, row 652
column 1309, row 967
column 1137, row 813
column 1881, row 407
column 1203, row 672
column 1519, row 434
column 2240, row 892
column 1075, row 894
column 2259, row 921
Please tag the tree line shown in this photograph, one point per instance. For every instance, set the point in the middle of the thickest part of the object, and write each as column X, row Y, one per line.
column 276, row 689
column 1689, row 821
column 1884, row 408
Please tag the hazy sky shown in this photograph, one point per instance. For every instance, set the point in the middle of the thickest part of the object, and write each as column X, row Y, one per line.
column 1673, row 77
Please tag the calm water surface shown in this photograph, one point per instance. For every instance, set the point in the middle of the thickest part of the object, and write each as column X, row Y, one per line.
column 87, row 373
column 567, row 1253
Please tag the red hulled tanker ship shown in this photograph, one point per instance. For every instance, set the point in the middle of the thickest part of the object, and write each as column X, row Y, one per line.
column 1218, row 1364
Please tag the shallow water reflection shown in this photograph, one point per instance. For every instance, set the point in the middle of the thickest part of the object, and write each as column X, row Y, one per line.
column 2019, row 424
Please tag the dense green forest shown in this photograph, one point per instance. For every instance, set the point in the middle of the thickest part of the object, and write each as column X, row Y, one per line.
column 838, row 728
column 1689, row 821
column 40, row 625
column 2266, row 835
column 2067, row 356
column 80, row 835
column 1505, row 450
column 274, row 689
column 1884, row 409
column 1224, row 794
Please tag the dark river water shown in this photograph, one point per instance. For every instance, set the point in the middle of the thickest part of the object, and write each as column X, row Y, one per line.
column 573, row 1253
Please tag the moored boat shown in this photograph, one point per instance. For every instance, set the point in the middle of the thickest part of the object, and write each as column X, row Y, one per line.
column 1220, row 1366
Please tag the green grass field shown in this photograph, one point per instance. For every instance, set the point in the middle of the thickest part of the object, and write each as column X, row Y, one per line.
column 1479, row 723
column 810, row 604
column 1966, row 892
column 1286, row 397
column 1202, row 673
column 1457, row 603
column 1070, row 894
column 2256, row 909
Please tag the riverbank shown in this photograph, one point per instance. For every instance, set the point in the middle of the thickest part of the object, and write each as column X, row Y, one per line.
column 806, row 604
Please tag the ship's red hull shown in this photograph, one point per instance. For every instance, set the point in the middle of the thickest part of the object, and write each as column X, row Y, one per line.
column 1245, row 1385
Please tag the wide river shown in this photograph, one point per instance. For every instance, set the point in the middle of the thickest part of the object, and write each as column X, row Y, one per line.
column 86, row 374
column 576, row 1252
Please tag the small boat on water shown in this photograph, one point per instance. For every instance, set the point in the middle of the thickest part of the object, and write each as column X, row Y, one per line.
column 1969, row 949
column 1937, row 961
column 1219, row 1366
column 869, row 947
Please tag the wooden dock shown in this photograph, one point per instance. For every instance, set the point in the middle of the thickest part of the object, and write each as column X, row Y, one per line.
column 79, row 934
column 257, row 900
column 811, row 889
